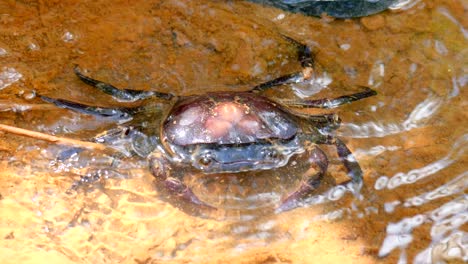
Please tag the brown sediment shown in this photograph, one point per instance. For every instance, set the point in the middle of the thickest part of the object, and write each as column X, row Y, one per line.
column 191, row 47
column 7, row 105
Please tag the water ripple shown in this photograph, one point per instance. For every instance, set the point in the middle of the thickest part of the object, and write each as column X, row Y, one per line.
column 452, row 247
column 457, row 185
column 415, row 175
column 444, row 11
column 419, row 117
column 447, row 241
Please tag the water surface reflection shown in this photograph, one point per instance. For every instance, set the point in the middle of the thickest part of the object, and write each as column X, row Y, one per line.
column 410, row 139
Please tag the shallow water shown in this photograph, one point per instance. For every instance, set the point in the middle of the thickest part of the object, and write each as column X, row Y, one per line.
column 410, row 139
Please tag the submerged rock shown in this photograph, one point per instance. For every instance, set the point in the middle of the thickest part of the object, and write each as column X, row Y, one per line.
column 338, row 8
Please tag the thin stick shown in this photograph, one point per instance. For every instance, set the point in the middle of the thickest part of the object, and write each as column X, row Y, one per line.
column 53, row 139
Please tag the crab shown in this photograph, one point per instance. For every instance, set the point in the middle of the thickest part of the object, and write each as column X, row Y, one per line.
column 228, row 132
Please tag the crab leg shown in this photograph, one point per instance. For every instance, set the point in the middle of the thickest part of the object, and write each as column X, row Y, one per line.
column 305, row 57
column 293, row 200
column 290, row 78
column 318, row 157
column 329, row 122
column 174, row 187
column 330, row 103
column 124, row 95
column 116, row 113
column 347, row 158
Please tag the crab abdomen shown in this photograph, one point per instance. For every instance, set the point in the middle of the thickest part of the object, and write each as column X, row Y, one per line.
column 227, row 118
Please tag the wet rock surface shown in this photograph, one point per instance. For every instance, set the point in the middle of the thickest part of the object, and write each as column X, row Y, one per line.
column 410, row 139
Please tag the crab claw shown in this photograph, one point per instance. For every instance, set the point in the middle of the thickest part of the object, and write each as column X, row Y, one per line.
column 174, row 187
column 184, row 193
column 293, row 200
column 310, row 184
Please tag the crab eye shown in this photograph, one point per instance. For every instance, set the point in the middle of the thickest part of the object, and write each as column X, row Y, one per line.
column 270, row 154
column 205, row 161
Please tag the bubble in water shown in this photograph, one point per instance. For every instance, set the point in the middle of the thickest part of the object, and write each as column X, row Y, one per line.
column 9, row 76
column 3, row 52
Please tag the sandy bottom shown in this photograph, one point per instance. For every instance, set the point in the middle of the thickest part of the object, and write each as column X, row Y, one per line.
column 410, row 139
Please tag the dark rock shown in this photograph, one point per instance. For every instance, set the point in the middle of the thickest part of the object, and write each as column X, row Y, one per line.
column 337, row 9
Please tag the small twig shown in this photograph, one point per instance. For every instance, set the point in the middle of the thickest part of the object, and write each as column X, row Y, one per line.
column 53, row 139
